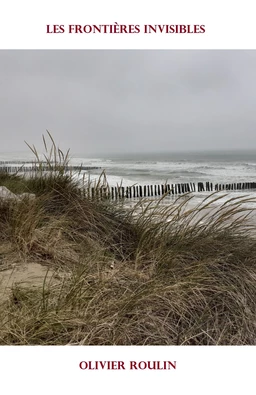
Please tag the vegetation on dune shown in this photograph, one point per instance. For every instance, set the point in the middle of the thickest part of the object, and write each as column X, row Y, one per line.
column 150, row 275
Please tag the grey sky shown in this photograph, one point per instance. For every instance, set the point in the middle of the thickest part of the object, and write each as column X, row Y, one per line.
column 122, row 101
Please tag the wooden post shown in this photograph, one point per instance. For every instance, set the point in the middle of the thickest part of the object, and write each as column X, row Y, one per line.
column 200, row 187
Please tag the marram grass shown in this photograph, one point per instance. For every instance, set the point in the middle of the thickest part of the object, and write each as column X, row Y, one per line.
column 155, row 274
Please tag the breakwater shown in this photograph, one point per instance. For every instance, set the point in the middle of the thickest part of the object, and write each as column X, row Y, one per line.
column 140, row 191
column 134, row 191
column 24, row 168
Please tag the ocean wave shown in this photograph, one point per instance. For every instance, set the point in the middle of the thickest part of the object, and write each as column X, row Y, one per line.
column 250, row 165
column 145, row 163
column 208, row 167
column 188, row 172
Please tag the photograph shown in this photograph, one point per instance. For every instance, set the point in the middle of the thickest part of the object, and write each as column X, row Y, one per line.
column 127, row 198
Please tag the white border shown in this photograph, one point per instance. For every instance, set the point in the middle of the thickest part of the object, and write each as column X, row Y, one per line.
column 229, row 24
column 200, row 370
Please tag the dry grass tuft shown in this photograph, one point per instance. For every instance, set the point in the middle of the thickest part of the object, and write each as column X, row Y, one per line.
column 151, row 275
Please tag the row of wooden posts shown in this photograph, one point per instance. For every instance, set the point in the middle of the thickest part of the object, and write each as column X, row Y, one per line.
column 138, row 191
column 35, row 168
column 22, row 162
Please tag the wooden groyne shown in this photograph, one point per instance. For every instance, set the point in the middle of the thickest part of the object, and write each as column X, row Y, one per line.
column 21, row 162
column 140, row 191
column 134, row 191
column 35, row 168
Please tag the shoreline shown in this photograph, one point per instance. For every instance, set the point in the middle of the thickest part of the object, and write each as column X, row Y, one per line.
column 97, row 272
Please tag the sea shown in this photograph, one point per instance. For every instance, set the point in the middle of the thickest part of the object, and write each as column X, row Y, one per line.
column 128, row 169
column 222, row 167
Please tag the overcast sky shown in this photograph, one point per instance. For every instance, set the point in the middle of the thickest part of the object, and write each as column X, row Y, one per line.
column 128, row 101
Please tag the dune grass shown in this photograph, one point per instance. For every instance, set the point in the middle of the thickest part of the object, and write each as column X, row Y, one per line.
column 150, row 275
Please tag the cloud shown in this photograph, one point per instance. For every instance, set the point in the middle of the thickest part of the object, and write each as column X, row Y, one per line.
column 121, row 101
